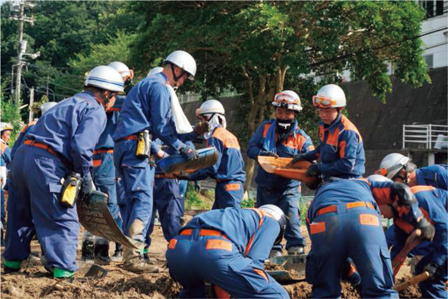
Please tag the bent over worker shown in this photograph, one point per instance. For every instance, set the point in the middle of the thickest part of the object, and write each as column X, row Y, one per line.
column 343, row 221
column 400, row 168
column 432, row 220
column 281, row 137
column 228, row 171
column 227, row 247
column 341, row 149
column 148, row 108
column 62, row 142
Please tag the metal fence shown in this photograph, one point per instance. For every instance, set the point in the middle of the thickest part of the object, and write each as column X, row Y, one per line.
column 425, row 136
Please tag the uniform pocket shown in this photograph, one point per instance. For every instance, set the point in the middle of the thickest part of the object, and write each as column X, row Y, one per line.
column 387, row 267
column 55, row 188
column 137, row 178
column 313, row 267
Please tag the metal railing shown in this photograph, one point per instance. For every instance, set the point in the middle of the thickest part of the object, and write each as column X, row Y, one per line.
column 425, row 136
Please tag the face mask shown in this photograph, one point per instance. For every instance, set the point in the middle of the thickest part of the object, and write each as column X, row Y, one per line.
column 284, row 125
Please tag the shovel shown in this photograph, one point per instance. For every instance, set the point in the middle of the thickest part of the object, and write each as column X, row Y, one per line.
column 294, row 268
column 414, row 280
column 95, row 272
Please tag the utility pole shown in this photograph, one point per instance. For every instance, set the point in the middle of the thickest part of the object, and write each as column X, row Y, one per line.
column 18, row 7
column 31, row 104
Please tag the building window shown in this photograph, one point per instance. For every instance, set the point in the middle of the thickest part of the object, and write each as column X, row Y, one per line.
column 429, row 60
column 440, row 7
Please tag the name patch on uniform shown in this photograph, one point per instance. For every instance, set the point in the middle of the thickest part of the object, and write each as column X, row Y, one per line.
column 219, row 244
column 369, row 219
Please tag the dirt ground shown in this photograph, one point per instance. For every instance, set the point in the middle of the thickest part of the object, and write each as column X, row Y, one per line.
column 35, row 282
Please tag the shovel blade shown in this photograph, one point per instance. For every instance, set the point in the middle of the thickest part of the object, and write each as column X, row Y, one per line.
column 96, row 272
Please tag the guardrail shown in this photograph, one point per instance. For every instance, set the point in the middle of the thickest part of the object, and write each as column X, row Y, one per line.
column 425, row 136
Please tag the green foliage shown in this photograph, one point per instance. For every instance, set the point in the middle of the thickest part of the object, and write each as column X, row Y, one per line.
column 63, row 30
column 248, row 203
column 194, row 200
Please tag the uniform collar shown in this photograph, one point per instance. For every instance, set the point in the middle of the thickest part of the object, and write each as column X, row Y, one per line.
column 333, row 125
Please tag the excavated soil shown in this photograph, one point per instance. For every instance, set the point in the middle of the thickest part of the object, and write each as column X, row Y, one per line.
column 35, row 282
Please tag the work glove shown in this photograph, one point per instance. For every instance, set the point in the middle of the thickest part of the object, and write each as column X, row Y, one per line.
column 86, row 186
column 435, row 271
column 297, row 158
column 268, row 154
column 428, row 230
column 197, row 187
column 202, row 127
column 313, row 170
column 189, row 152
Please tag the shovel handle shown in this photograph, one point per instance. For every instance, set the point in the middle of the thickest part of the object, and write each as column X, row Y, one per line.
column 414, row 280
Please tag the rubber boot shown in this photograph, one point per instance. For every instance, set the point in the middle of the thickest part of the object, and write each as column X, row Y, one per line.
column 11, row 266
column 133, row 260
column 87, row 250
column 118, row 255
column 62, row 274
column 102, row 254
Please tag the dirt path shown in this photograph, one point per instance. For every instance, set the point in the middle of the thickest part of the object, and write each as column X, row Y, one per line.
column 35, row 282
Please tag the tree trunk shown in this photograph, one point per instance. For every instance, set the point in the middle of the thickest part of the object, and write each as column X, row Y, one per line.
column 268, row 88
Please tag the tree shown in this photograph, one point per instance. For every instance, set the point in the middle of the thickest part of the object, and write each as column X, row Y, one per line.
column 251, row 46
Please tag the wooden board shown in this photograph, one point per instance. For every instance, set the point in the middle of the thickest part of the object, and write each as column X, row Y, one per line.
column 281, row 167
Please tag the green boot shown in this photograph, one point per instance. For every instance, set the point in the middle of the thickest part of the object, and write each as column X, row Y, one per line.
column 11, row 266
column 61, row 273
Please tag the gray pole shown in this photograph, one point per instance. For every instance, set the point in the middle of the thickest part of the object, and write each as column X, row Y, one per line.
column 31, row 104
column 20, row 53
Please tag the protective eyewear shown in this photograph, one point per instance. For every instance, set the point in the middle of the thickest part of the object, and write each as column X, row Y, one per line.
column 323, row 102
column 286, row 98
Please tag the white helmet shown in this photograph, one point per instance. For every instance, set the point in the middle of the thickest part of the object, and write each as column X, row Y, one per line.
column 106, row 78
column 47, row 106
column 392, row 164
column 183, row 60
column 287, row 99
column 330, row 96
column 5, row 126
column 275, row 212
column 155, row 70
column 210, row 107
column 121, row 68
column 378, row 178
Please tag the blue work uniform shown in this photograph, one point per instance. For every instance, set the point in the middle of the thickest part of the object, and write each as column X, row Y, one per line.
column 226, row 247
column 433, row 204
column 274, row 189
column 103, row 171
column 341, row 150
column 21, row 138
column 6, row 153
column 228, row 170
column 168, row 201
column 3, row 212
column 147, row 107
column 434, row 175
column 61, row 142
column 343, row 221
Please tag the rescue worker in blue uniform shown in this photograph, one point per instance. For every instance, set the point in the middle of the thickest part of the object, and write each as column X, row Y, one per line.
column 168, row 202
column 433, row 209
column 228, row 171
column 227, row 247
column 433, row 203
column 5, row 134
column 343, row 221
column 341, row 149
column 281, row 137
column 3, row 177
column 148, row 108
column 60, row 143
column 400, row 168
column 104, row 173
column 5, row 151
